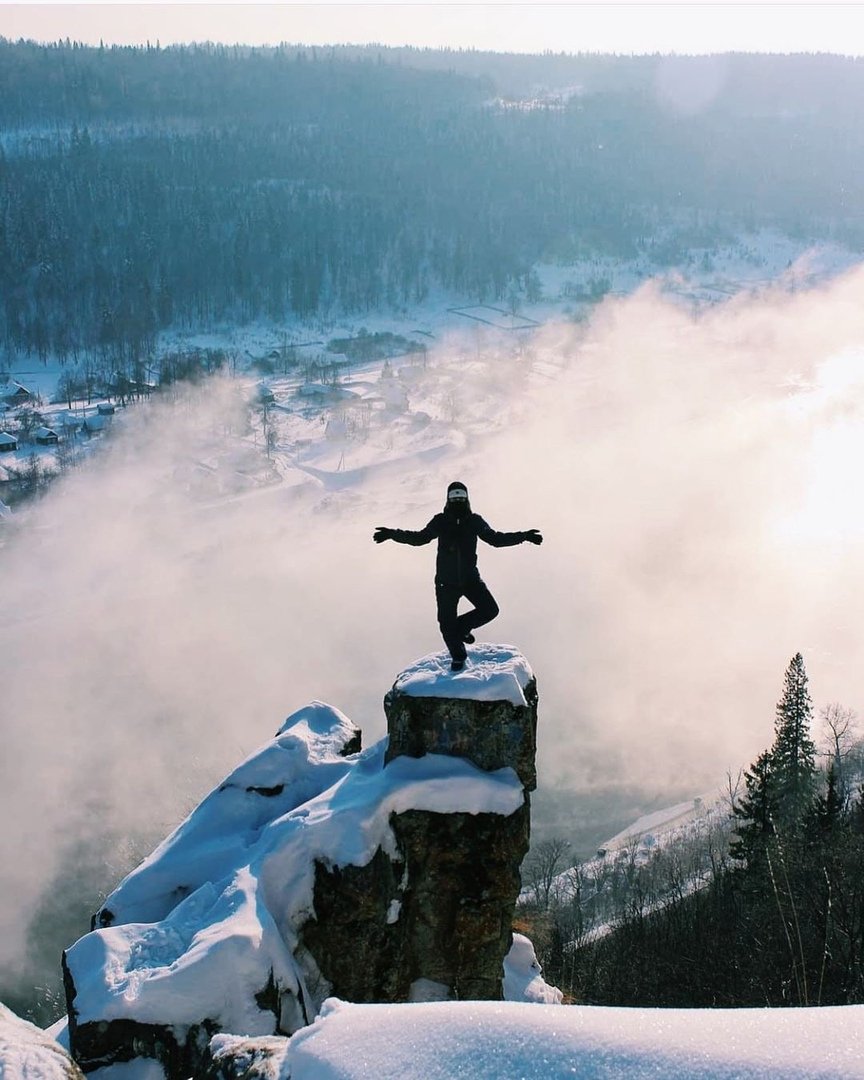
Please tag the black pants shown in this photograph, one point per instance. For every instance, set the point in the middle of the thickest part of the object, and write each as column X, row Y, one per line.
column 454, row 627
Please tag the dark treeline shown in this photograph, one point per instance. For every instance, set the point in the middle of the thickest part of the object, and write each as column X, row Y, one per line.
column 72, row 83
column 142, row 188
column 746, row 84
column 779, row 916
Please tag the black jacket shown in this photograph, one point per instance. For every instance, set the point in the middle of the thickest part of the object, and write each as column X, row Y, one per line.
column 457, row 535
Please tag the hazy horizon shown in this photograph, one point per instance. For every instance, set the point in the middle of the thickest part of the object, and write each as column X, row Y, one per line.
column 619, row 28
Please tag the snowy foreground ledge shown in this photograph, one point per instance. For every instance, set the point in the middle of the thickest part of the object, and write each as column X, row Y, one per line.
column 510, row 1041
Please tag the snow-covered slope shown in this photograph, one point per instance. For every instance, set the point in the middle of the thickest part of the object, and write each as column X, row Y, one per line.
column 303, row 760
column 661, row 825
column 659, row 855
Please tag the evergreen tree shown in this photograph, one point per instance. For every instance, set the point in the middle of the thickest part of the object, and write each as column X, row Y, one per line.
column 829, row 809
column 756, row 811
column 794, row 753
column 783, row 926
column 780, row 785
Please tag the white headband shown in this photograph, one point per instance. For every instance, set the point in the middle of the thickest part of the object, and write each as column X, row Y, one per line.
column 457, row 493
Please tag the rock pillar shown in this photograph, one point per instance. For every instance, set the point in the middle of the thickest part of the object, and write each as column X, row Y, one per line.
column 487, row 713
column 453, row 884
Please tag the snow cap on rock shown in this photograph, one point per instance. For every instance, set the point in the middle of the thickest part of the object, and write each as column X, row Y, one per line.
column 493, row 673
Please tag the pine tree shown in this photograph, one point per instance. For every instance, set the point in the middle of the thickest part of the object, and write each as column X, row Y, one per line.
column 756, row 811
column 829, row 809
column 794, row 753
column 781, row 783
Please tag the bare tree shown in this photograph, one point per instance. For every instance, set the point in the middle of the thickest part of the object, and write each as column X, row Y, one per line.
column 544, row 863
column 271, row 439
column 732, row 790
column 66, row 454
column 839, row 735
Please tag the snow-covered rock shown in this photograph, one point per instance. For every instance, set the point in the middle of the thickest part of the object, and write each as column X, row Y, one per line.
column 317, row 870
column 239, row 1057
column 491, row 673
column 310, row 753
column 28, row 1053
column 523, row 976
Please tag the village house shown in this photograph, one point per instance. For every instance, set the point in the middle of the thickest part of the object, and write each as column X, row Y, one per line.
column 8, row 443
column 95, row 424
column 15, row 394
column 10, row 483
column 105, row 408
column 46, row 436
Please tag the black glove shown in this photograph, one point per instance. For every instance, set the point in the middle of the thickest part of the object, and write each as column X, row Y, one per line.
column 533, row 536
column 381, row 534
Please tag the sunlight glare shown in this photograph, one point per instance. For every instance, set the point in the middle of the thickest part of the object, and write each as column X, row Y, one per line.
column 831, row 414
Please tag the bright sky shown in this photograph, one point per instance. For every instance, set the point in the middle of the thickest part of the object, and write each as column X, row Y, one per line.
column 526, row 27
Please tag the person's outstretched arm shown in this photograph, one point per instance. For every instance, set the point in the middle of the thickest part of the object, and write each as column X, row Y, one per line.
column 505, row 539
column 415, row 537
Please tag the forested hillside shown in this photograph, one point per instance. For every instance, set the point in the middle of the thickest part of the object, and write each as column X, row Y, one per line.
column 776, row 917
column 145, row 188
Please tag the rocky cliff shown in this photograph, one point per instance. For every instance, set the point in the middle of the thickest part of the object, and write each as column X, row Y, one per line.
column 317, row 869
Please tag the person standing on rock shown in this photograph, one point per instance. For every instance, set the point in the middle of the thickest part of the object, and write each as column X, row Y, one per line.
column 457, row 529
